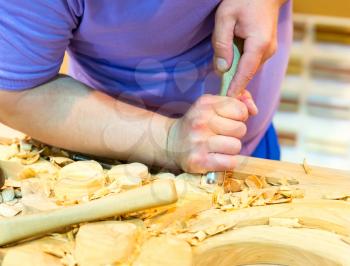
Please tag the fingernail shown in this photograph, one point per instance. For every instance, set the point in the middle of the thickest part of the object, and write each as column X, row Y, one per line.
column 221, row 64
column 254, row 108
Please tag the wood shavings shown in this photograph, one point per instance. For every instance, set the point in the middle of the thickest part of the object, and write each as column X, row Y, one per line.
column 180, row 214
column 100, row 193
column 208, row 224
column 137, row 170
column 274, row 181
column 9, row 211
column 346, row 240
column 306, row 167
column 285, row 222
column 233, row 185
column 28, row 158
column 12, row 183
column 105, row 243
column 196, row 238
column 60, row 161
column 164, row 250
column 253, row 182
column 292, row 193
column 29, row 258
column 128, row 182
column 8, row 152
column 258, row 197
column 34, row 197
column 164, row 176
column 337, row 196
column 78, row 180
column 6, row 141
column 27, row 173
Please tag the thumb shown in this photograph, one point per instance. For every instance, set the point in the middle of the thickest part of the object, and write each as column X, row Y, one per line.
column 222, row 40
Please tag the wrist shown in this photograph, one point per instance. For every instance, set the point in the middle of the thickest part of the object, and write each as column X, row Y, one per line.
column 164, row 131
column 170, row 145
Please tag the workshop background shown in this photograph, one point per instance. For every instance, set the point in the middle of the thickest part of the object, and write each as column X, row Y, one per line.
column 313, row 120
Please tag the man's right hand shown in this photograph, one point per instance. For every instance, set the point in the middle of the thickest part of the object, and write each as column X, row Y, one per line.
column 208, row 136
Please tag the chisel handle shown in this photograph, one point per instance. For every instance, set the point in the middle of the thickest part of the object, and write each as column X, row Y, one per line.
column 158, row 193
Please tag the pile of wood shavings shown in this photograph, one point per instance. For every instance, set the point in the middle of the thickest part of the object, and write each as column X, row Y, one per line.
column 254, row 191
column 191, row 220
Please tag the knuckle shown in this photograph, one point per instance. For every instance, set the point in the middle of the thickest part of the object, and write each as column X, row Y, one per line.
column 241, row 129
column 223, row 15
column 194, row 162
column 264, row 44
column 205, row 99
column 198, row 123
column 220, row 45
column 242, row 110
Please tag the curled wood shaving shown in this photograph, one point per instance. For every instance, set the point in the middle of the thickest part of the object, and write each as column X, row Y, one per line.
column 306, row 167
column 254, row 182
column 285, row 222
column 346, row 239
column 12, row 183
column 337, row 196
column 257, row 197
column 7, row 141
column 233, row 185
column 60, row 161
column 27, row 173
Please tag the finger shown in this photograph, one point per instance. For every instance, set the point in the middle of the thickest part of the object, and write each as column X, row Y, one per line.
column 227, row 127
column 248, row 100
column 222, row 40
column 254, row 50
column 216, row 162
column 224, row 145
column 231, row 108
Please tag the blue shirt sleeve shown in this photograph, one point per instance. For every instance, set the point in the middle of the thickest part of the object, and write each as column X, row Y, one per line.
column 33, row 37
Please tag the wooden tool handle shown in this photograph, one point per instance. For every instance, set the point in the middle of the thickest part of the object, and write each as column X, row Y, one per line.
column 159, row 193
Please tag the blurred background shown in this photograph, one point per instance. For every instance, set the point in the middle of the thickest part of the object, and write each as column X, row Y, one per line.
column 313, row 120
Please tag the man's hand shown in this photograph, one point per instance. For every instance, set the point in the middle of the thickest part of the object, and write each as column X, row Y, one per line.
column 255, row 21
column 208, row 137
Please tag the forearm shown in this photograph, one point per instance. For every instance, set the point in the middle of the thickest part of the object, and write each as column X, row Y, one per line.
column 68, row 114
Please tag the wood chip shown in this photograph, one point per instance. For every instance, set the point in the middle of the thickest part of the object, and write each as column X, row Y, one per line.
column 8, row 211
column 164, row 250
column 105, row 243
column 285, row 222
column 138, row 170
column 253, row 182
column 60, row 161
column 78, row 180
column 336, row 196
column 27, row 173
column 279, row 201
column 294, row 193
column 306, row 167
column 28, row 257
column 233, row 185
column 346, row 239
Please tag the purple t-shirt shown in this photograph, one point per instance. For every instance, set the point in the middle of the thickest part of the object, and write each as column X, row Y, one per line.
column 154, row 53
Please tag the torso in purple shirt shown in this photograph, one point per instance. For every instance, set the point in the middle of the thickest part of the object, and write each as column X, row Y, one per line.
column 154, row 53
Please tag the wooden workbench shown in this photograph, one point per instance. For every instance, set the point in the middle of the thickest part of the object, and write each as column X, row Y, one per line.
column 308, row 231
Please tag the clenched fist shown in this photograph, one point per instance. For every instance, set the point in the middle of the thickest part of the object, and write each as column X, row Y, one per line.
column 207, row 137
